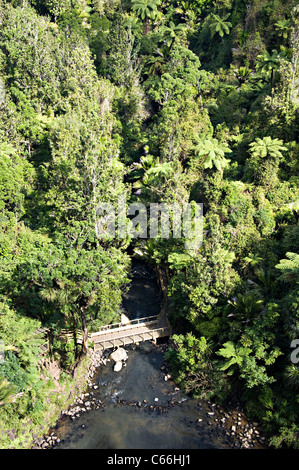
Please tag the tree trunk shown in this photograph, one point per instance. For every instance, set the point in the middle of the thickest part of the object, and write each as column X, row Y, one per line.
column 75, row 336
column 272, row 77
column 146, row 28
column 84, row 331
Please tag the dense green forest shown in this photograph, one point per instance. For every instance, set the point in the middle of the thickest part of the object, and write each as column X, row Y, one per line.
column 192, row 100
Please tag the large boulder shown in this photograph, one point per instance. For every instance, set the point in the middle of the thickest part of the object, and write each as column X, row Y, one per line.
column 124, row 319
column 118, row 355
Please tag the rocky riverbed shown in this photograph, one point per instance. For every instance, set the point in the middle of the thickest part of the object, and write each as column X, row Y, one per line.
column 232, row 427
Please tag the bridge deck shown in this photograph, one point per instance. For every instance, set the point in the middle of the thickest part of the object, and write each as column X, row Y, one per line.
column 135, row 331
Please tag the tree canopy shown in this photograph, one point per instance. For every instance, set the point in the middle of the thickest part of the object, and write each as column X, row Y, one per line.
column 157, row 102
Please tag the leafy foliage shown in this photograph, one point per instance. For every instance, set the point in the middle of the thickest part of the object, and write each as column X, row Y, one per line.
column 289, row 267
column 186, row 101
column 193, row 368
column 220, row 25
column 213, row 154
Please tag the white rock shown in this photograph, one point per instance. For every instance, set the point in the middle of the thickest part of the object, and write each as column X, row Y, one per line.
column 118, row 366
column 124, row 319
column 119, row 355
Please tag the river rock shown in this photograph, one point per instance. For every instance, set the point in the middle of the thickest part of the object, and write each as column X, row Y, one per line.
column 146, row 346
column 119, row 355
column 118, row 366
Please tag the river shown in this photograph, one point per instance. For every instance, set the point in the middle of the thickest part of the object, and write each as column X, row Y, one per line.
column 139, row 408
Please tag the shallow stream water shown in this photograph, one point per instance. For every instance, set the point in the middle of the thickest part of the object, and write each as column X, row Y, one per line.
column 141, row 411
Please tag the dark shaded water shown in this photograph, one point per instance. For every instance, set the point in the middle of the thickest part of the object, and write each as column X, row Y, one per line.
column 144, row 297
column 164, row 418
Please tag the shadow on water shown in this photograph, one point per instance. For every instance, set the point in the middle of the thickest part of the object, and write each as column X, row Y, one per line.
column 144, row 297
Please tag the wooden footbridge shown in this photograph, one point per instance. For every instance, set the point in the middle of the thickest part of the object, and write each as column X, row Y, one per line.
column 133, row 331
column 137, row 330
column 129, row 331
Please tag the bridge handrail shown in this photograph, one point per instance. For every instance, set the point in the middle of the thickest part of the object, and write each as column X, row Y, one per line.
column 122, row 328
column 131, row 322
column 162, row 328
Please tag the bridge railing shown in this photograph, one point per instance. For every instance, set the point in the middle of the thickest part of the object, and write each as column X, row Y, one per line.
column 134, row 337
column 135, row 321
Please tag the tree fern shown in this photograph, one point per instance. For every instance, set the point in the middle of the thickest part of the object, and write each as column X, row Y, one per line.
column 289, row 267
column 7, row 391
column 213, row 153
column 171, row 32
column 267, row 148
column 159, row 171
column 291, row 375
column 220, row 25
column 146, row 9
column 268, row 64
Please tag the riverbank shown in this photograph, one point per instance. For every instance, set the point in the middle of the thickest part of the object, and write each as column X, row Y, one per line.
column 229, row 426
column 57, row 390
column 67, row 392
